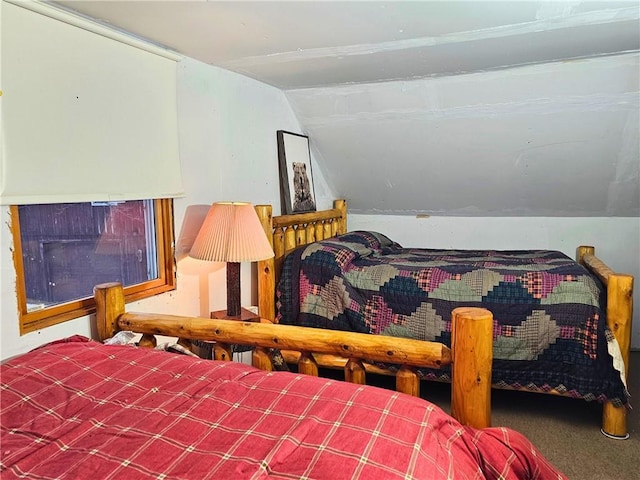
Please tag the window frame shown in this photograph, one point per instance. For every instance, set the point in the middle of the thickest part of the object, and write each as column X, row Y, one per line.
column 166, row 281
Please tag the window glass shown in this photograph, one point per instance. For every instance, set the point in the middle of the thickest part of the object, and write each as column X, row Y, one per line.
column 66, row 249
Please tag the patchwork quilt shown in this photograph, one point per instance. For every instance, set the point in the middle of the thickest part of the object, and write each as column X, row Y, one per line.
column 549, row 321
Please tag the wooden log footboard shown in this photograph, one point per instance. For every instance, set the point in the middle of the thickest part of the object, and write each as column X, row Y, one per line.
column 619, row 319
column 470, row 357
column 288, row 232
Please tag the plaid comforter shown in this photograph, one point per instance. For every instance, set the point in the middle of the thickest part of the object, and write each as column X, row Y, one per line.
column 77, row 409
column 549, row 329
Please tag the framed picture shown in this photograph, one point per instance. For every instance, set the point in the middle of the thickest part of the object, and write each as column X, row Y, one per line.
column 296, row 181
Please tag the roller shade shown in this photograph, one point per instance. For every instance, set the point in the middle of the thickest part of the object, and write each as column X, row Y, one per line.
column 85, row 117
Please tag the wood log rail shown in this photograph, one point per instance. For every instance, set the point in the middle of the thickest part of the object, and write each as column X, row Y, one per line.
column 619, row 319
column 470, row 358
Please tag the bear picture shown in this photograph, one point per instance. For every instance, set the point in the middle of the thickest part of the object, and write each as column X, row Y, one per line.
column 302, row 197
column 296, row 180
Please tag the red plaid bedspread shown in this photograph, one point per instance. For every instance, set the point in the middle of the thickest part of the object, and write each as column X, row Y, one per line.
column 78, row 409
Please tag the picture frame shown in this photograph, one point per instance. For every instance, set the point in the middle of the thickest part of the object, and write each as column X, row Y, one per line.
column 297, row 191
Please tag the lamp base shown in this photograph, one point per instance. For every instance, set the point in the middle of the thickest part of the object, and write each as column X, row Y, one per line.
column 245, row 316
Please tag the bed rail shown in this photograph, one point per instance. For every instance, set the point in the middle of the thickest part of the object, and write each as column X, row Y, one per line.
column 470, row 357
column 619, row 319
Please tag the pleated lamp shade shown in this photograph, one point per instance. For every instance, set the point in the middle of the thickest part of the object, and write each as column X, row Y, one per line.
column 231, row 232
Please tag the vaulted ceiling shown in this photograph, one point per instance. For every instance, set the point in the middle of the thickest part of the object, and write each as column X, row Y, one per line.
column 441, row 107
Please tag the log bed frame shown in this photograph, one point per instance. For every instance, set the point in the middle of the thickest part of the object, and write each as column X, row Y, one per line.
column 287, row 232
column 470, row 358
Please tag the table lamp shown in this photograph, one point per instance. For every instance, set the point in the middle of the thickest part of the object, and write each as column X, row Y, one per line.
column 232, row 233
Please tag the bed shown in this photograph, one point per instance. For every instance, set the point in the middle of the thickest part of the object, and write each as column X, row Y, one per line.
column 560, row 326
column 79, row 408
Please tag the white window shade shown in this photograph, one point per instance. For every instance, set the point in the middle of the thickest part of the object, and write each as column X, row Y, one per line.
column 84, row 117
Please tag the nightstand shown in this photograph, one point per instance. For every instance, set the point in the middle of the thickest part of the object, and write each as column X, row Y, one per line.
column 242, row 353
column 245, row 315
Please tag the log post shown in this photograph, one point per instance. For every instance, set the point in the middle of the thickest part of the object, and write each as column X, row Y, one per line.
column 148, row 341
column 307, row 364
column 472, row 346
column 319, row 230
column 278, row 260
column 301, row 235
column 354, row 371
column 341, row 205
column 619, row 320
column 266, row 272
column 311, row 232
column 260, row 359
column 109, row 298
column 289, row 239
column 583, row 250
column 222, row 351
column 407, row 381
column 327, row 230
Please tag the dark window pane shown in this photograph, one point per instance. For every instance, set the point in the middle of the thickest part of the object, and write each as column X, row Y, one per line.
column 68, row 248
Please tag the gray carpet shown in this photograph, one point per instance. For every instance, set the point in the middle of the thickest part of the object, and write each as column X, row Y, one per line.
column 567, row 431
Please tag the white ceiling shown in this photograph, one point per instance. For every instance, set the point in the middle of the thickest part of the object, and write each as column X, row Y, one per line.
column 318, row 43
column 321, row 53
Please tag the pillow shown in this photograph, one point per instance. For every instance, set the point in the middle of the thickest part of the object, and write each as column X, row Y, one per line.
column 373, row 240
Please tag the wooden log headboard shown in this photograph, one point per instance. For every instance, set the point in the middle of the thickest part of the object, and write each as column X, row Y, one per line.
column 287, row 232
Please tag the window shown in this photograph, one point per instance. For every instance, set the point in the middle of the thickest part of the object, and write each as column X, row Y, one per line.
column 63, row 250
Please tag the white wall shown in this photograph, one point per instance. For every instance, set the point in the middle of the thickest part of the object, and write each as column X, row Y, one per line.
column 228, row 150
column 616, row 240
column 559, row 139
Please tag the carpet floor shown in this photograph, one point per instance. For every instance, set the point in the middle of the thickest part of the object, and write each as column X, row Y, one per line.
column 565, row 430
